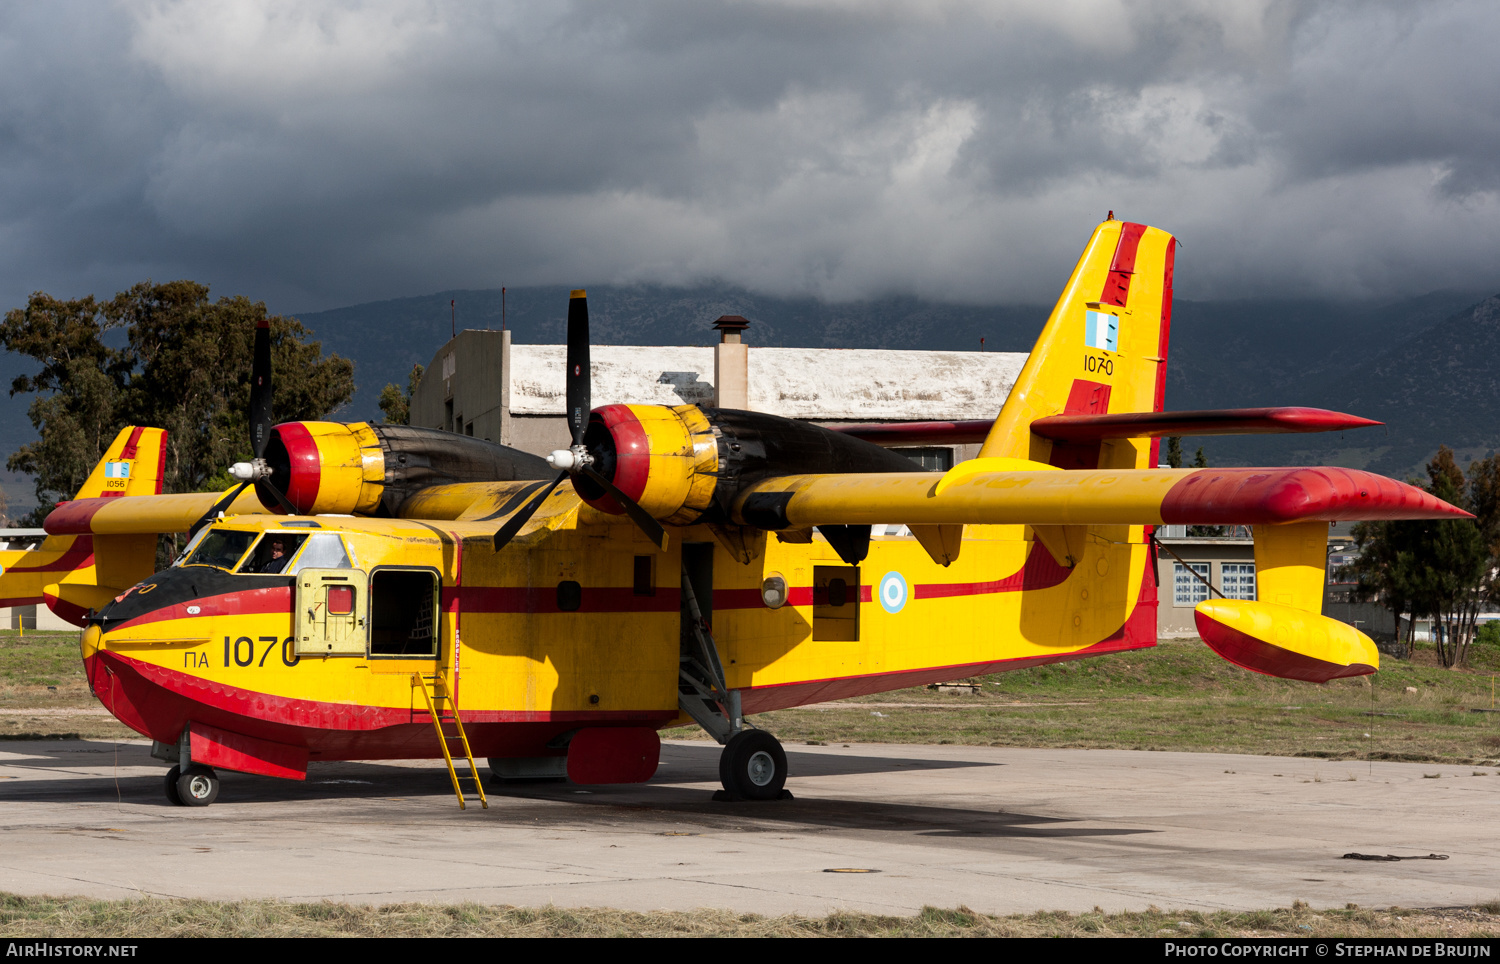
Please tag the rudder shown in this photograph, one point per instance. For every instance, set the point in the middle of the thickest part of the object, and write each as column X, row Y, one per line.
column 1103, row 350
column 132, row 465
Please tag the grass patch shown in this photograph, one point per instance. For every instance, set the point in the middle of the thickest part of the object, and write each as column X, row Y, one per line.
column 44, row 694
column 39, row 659
column 23, row 917
column 1180, row 696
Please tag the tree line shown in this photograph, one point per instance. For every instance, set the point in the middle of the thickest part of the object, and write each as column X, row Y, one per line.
column 163, row 355
column 1445, row 569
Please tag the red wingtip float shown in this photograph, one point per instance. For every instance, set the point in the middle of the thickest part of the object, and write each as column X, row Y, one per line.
column 366, row 586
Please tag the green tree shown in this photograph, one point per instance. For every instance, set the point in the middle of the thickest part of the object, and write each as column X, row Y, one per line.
column 1441, row 568
column 396, row 404
column 1174, row 451
column 185, row 367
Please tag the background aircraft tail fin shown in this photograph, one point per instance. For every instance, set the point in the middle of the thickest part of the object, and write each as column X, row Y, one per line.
column 132, row 465
column 1103, row 350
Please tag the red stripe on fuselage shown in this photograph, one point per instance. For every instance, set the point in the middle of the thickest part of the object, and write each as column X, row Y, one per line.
column 1040, row 571
column 272, row 599
column 508, row 599
column 1137, row 632
column 159, row 702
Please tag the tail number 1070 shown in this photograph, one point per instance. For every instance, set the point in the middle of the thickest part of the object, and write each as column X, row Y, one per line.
column 1098, row 364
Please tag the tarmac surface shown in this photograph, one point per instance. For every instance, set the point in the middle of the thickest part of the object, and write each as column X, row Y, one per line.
column 1001, row 830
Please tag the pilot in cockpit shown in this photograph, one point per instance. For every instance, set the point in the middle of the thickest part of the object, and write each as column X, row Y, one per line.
column 276, row 561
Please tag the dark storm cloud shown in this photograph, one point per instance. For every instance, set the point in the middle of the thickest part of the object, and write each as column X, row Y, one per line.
column 315, row 155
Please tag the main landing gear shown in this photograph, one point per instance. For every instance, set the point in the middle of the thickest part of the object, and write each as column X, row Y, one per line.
column 753, row 764
column 753, row 767
column 197, row 786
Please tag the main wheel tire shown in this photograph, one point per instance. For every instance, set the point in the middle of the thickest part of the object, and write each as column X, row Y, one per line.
column 172, row 795
column 198, row 786
column 753, row 766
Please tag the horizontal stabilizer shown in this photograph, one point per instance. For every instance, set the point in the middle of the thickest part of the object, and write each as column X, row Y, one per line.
column 1228, row 421
column 891, row 434
column 1285, row 642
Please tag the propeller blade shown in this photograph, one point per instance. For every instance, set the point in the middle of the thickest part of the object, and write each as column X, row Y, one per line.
column 579, row 395
column 216, row 508
column 286, row 506
column 639, row 516
column 260, row 390
column 523, row 515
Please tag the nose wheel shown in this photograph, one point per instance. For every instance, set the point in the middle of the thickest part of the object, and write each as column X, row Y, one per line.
column 753, row 767
column 197, row 786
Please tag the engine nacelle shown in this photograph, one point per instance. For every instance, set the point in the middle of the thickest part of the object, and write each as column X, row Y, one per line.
column 685, row 464
column 358, row 468
column 666, row 459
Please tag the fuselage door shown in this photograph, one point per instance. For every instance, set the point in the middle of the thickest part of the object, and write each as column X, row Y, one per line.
column 331, row 608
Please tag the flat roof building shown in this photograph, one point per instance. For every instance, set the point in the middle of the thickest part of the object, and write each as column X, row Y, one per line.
column 481, row 384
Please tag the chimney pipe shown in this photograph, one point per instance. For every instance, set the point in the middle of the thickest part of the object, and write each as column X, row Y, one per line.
column 731, row 364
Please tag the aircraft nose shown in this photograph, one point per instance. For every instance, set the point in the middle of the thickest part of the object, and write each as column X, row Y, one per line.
column 92, row 639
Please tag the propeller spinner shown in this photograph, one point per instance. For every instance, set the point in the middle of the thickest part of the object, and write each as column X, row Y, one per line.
column 577, row 459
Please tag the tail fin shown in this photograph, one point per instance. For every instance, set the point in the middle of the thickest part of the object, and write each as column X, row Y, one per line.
column 1103, row 350
column 132, row 465
column 76, row 573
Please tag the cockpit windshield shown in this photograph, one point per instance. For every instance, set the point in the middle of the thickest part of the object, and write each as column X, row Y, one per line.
column 221, row 548
column 272, row 553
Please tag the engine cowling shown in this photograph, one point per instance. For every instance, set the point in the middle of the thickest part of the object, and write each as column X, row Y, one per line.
column 685, row 465
column 358, row 468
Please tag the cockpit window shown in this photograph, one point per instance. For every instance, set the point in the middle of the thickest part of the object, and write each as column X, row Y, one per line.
column 272, row 553
column 221, row 548
column 324, row 550
column 187, row 550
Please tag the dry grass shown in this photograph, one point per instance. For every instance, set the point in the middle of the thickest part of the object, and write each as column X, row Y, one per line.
column 22, row 917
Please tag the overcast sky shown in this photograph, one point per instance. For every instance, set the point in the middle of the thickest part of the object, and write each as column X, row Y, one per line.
column 316, row 155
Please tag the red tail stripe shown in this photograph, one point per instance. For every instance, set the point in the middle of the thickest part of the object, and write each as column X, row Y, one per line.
column 128, row 452
column 1165, row 338
column 1117, row 284
column 161, row 462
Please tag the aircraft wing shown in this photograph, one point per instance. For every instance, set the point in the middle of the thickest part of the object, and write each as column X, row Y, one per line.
column 975, row 494
column 138, row 515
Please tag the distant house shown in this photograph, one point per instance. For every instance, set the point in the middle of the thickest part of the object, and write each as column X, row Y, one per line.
column 1195, row 558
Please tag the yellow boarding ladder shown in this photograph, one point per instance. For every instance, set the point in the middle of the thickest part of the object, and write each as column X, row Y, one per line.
column 438, row 693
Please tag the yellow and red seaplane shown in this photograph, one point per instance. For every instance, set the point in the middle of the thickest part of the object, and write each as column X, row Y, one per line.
column 374, row 591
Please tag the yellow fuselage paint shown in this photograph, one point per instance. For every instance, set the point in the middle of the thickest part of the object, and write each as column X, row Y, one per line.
column 519, row 655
